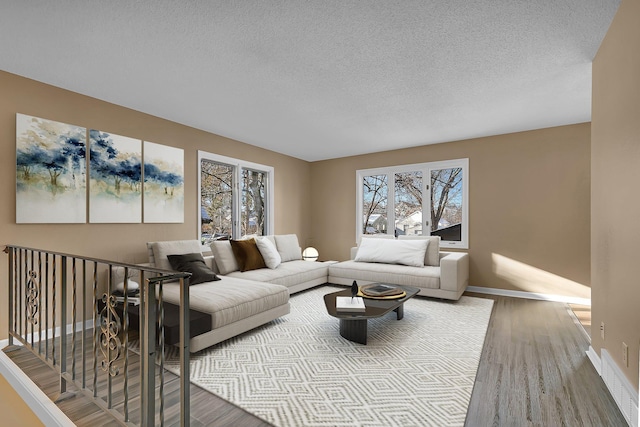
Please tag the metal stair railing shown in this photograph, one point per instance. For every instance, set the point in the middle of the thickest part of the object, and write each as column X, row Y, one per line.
column 65, row 310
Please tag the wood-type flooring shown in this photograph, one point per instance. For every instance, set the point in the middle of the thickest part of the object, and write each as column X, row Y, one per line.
column 533, row 372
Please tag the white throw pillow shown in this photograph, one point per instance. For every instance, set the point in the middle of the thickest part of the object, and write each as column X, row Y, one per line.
column 432, row 257
column 223, row 256
column 256, row 236
column 288, row 247
column 405, row 252
column 269, row 252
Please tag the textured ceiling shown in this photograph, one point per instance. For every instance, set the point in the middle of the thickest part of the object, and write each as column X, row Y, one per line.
column 320, row 79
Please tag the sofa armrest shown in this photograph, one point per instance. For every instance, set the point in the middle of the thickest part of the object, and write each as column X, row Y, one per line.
column 454, row 271
column 353, row 252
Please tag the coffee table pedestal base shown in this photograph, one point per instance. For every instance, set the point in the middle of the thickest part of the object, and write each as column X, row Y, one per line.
column 354, row 330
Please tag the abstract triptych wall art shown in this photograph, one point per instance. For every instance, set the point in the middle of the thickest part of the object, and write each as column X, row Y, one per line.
column 163, row 183
column 115, row 186
column 54, row 161
column 51, row 176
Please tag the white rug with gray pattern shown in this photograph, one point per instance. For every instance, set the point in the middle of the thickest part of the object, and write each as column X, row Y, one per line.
column 299, row 371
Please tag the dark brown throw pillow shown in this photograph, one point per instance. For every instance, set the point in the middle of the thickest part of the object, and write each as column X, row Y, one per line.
column 194, row 264
column 247, row 254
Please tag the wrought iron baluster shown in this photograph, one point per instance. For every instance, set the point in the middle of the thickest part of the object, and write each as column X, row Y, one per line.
column 63, row 323
column 110, row 345
column 162, row 355
column 84, row 323
column 53, row 303
column 20, row 287
column 40, row 302
column 185, row 384
column 148, row 356
column 96, row 329
column 12, row 278
column 46, row 305
column 73, row 317
column 31, row 297
column 125, row 329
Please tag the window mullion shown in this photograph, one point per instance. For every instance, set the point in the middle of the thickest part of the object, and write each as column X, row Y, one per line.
column 237, row 200
column 391, row 203
column 426, row 202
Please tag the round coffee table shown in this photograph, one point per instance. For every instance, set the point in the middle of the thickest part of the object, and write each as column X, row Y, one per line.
column 353, row 325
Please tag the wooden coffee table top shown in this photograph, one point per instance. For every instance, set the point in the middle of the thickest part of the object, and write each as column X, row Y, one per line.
column 373, row 307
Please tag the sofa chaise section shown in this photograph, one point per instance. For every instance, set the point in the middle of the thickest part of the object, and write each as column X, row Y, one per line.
column 234, row 305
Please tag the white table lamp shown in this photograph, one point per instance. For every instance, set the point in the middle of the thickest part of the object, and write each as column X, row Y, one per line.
column 310, row 254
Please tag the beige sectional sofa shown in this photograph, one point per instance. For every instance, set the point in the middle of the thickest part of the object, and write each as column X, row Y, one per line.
column 242, row 300
column 441, row 275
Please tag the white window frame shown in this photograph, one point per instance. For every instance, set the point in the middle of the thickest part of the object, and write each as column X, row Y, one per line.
column 426, row 169
column 238, row 165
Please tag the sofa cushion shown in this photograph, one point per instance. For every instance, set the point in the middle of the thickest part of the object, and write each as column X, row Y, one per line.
column 289, row 273
column 420, row 277
column 432, row 256
column 194, row 264
column 288, row 247
column 247, row 254
column 160, row 250
column 375, row 236
column 405, row 252
column 269, row 252
column 223, row 256
column 229, row 299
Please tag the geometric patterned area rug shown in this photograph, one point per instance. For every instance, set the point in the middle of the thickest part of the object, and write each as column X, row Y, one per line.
column 299, row 371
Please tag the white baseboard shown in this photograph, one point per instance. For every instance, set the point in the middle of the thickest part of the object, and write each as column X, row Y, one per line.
column 88, row 324
column 623, row 393
column 40, row 404
column 529, row 295
column 595, row 360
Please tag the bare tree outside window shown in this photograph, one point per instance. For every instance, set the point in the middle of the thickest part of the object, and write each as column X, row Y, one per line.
column 375, row 204
column 408, row 202
column 446, row 201
column 253, row 202
column 216, row 200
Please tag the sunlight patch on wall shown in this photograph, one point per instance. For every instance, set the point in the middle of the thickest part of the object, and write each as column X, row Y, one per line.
column 532, row 279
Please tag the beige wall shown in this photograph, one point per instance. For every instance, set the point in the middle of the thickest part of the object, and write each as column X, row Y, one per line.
column 528, row 205
column 126, row 242
column 15, row 411
column 615, row 204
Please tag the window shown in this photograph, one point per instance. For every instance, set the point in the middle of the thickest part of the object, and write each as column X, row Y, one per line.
column 236, row 198
column 393, row 200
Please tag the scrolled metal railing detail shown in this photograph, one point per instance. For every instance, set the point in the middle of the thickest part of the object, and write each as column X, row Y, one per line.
column 110, row 344
column 32, row 293
column 46, row 291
